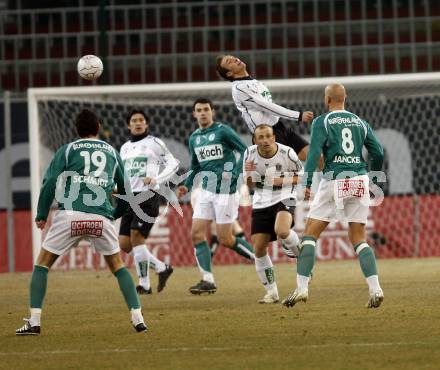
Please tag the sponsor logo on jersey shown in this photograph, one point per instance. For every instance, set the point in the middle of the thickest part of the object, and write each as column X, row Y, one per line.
column 211, row 137
column 344, row 120
column 198, row 140
column 351, row 188
column 88, row 145
column 267, row 95
column 136, row 166
column 92, row 228
column 209, row 152
column 346, row 159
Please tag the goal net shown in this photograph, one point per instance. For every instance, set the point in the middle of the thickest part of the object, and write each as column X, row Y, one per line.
column 402, row 109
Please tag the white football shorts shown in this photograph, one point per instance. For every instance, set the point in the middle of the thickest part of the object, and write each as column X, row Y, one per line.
column 342, row 200
column 222, row 208
column 70, row 227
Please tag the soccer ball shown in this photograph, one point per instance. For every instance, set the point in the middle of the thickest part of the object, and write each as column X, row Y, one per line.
column 90, row 67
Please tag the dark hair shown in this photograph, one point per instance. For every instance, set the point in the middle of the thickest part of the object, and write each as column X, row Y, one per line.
column 223, row 72
column 203, row 101
column 136, row 111
column 87, row 123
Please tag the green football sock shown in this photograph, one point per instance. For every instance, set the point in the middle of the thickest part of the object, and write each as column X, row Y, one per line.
column 38, row 286
column 367, row 260
column 243, row 248
column 128, row 289
column 203, row 256
column 306, row 258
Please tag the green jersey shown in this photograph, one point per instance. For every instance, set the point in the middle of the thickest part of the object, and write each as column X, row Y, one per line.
column 81, row 177
column 341, row 135
column 213, row 157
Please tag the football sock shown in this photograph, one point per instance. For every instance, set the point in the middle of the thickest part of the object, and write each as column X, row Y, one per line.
column 136, row 316
column 292, row 242
column 141, row 257
column 306, row 258
column 213, row 244
column 367, row 260
column 243, row 248
column 240, row 235
column 203, row 258
column 265, row 272
column 38, row 286
column 155, row 262
column 128, row 289
column 302, row 282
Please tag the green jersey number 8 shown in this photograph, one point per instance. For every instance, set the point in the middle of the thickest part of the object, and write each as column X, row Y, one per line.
column 99, row 160
column 347, row 142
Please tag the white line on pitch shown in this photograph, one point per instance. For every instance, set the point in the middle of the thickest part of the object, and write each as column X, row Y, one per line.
column 216, row 349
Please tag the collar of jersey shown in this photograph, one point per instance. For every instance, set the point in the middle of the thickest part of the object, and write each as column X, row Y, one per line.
column 135, row 138
column 209, row 128
column 243, row 78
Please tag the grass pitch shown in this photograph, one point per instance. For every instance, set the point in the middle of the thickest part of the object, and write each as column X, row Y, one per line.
column 85, row 324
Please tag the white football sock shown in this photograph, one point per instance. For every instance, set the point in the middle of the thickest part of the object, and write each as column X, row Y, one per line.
column 302, row 282
column 141, row 257
column 208, row 276
column 35, row 316
column 264, row 268
column 292, row 241
column 373, row 283
column 136, row 316
column 156, row 263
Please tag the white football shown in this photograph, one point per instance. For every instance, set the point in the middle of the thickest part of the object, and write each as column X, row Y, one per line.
column 90, row 67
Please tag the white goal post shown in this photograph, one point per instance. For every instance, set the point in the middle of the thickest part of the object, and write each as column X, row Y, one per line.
column 376, row 98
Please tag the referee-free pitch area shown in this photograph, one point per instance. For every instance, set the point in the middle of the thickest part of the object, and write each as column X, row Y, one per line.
column 85, row 324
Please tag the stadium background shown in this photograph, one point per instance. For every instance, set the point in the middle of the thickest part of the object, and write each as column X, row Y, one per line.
column 165, row 41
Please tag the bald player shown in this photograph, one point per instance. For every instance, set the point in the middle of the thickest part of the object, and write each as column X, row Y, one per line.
column 343, row 193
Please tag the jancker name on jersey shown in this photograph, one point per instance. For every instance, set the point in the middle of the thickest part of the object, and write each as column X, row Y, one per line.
column 346, row 159
column 209, row 152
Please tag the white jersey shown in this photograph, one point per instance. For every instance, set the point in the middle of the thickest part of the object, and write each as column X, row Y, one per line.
column 284, row 163
column 148, row 157
column 254, row 101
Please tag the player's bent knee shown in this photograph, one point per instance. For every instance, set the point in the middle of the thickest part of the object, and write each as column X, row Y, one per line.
column 114, row 262
column 227, row 242
column 136, row 237
column 282, row 233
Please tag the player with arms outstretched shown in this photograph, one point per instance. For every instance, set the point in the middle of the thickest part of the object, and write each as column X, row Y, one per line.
column 271, row 169
column 149, row 164
column 254, row 100
column 344, row 191
column 81, row 176
column 213, row 148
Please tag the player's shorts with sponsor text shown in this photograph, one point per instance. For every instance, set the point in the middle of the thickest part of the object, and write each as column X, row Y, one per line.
column 288, row 136
column 131, row 221
column 70, row 227
column 222, row 208
column 342, row 200
column 263, row 219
